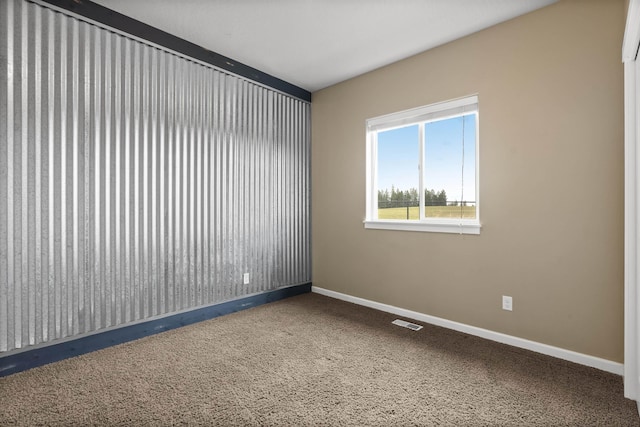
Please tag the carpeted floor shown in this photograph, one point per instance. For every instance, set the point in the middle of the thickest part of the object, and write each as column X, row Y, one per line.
column 313, row 360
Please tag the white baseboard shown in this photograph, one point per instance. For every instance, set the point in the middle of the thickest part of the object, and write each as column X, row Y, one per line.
column 560, row 353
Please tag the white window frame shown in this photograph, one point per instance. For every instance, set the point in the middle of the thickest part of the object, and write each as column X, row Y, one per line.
column 420, row 115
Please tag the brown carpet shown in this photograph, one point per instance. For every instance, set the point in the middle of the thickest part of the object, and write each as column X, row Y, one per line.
column 313, row 360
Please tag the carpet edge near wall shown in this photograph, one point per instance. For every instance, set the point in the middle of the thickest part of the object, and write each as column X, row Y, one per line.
column 557, row 352
column 32, row 357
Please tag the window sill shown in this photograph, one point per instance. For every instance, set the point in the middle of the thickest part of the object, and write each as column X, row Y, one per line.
column 429, row 227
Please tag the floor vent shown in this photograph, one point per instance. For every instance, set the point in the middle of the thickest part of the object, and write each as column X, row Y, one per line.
column 408, row 325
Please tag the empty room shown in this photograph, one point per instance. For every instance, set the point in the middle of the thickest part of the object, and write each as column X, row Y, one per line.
column 311, row 212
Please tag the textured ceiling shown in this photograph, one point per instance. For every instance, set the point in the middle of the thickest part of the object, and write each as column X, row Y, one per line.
column 317, row 43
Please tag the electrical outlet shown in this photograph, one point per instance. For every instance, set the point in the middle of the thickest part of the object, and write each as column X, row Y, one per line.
column 245, row 278
column 507, row 303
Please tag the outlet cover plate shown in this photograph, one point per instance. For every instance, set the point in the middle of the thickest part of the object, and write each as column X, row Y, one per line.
column 507, row 303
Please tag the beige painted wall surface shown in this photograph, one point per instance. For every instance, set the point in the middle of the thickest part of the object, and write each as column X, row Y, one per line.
column 550, row 85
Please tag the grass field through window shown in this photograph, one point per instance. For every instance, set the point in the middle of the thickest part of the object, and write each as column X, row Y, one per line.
column 413, row 213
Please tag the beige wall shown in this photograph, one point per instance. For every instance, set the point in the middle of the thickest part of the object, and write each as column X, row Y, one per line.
column 550, row 85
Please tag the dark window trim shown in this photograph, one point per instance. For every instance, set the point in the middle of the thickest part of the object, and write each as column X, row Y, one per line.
column 113, row 19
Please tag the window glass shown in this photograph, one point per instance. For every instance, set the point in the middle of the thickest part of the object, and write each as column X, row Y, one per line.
column 398, row 174
column 449, row 167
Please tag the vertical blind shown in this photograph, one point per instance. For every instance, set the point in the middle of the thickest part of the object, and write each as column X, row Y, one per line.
column 135, row 182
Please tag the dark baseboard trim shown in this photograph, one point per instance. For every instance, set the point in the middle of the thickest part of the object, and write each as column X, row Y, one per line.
column 105, row 16
column 31, row 358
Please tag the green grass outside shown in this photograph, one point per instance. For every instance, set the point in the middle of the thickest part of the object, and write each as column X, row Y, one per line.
column 429, row 211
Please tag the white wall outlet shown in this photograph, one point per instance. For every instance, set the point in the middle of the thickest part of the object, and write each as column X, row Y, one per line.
column 245, row 278
column 507, row 303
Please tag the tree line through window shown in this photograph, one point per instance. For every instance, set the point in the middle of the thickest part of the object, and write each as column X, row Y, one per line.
column 398, row 204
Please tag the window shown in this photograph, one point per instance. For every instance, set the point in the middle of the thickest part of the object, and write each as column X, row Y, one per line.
column 422, row 169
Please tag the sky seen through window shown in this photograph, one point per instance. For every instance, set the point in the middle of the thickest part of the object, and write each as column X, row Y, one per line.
column 445, row 154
